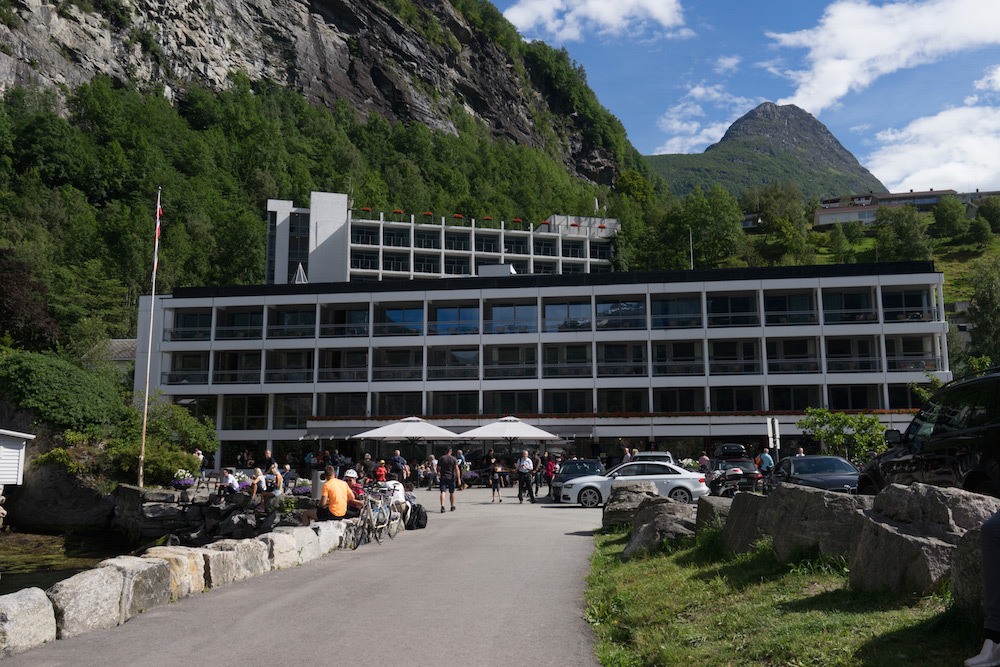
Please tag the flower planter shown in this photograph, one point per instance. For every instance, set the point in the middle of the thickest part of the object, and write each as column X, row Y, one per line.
column 181, row 484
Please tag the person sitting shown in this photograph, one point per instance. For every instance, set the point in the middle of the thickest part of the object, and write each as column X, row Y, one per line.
column 257, row 483
column 334, row 503
column 228, row 484
column 273, row 486
column 289, row 477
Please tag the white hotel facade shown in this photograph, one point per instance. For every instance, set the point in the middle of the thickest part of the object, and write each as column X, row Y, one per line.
column 404, row 315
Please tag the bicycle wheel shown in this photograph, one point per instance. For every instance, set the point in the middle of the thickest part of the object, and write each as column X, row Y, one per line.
column 394, row 523
column 353, row 537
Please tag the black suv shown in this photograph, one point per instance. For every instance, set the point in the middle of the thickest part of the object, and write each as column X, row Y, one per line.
column 953, row 441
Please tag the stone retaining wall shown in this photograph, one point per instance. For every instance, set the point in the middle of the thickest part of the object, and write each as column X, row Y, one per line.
column 120, row 588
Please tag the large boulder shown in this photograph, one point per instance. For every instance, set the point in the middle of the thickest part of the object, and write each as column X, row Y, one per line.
column 712, row 510
column 50, row 496
column 251, row 557
column 306, row 541
column 742, row 527
column 27, row 620
column 625, row 500
column 221, row 567
column 187, row 569
column 802, row 519
column 147, row 583
column 281, row 550
column 656, row 521
column 896, row 558
column 942, row 512
column 330, row 534
column 87, row 601
column 238, row 525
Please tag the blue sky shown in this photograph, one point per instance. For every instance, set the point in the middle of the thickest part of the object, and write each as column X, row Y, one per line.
column 912, row 89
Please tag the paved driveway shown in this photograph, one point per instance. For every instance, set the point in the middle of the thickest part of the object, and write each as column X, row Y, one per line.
column 488, row 584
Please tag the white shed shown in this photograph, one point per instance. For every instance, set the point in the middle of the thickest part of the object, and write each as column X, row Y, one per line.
column 12, row 445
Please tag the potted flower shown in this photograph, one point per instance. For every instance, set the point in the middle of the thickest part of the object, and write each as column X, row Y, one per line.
column 303, row 487
column 242, row 480
column 183, row 479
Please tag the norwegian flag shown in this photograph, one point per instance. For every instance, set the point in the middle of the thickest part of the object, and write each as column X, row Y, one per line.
column 156, row 243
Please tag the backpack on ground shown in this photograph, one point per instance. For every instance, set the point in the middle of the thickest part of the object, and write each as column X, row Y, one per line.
column 417, row 518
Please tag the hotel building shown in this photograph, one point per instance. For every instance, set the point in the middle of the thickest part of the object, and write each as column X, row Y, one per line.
column 370, row 317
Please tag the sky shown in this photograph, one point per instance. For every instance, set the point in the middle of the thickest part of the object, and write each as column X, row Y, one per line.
column 912, row 89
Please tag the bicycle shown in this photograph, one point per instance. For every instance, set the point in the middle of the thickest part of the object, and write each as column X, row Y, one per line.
column 378, row 518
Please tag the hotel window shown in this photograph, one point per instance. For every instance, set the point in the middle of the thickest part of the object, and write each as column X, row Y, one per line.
column 292, row 410
column 568, row 401
column 242, row 413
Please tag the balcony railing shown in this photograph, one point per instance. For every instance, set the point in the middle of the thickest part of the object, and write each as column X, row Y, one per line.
column 395, row 329
column 620, row 322
column 343, row 330
column 396, row 373
column 291, row 330
column 551, row 324
column 187, row 333
column 853, row 365
column 622, row 369
column 452, row 372
column 236, row 377
column 909, row 314
column 288, row 375
column 926, row 363
column 343, row 375
column 184, row 377
column 745, row 319
column 696, row 367
column 676, row 321
column 734, row 367
column 849, row 316
column 510, row 326
column 452, row 328
column 810, row 365
column 568, row 369
column 245, row 332
column 787, row 317
column 504, row 371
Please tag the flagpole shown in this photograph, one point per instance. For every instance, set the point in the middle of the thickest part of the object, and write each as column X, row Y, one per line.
column 149, row 341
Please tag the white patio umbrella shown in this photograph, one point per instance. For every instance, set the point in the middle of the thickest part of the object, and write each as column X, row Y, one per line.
column 509, row 429
column 410, row 429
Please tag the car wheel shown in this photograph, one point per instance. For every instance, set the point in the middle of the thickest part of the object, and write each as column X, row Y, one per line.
column 680, row 495
column 590, row 497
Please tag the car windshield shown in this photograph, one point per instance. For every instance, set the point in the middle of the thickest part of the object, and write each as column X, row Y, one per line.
column 821, row 466
column 578, row 467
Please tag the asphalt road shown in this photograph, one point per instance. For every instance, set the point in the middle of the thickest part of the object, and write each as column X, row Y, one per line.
column 489, row 584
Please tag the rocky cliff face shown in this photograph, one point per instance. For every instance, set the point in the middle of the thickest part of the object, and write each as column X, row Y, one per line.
column 353, row 50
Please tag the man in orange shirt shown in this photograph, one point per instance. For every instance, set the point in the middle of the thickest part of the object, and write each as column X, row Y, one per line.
column 337, row 497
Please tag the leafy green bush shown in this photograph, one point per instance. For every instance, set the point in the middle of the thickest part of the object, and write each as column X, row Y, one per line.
column 121, row 459
column 58, row 392
column 59, row 457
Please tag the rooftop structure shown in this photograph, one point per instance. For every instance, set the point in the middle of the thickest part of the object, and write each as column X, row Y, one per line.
column 862, row 207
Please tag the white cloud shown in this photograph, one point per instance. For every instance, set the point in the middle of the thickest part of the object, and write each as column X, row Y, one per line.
column 958, row 148
column 569, row 20
column 863, row 127
column 684, row 120
column 727, row 64
column 990, row 81
column 856, row 42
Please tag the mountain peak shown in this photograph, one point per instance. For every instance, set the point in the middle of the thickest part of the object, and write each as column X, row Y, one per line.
column 771, row 143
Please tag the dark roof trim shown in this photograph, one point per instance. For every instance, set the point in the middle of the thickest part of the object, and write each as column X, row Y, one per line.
column 549, row 280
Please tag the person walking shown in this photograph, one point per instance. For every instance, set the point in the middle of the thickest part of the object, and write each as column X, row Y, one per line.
column 524, row 469
column 989, row 656
column 495, row 481
column 448, row 476
column 765, row 462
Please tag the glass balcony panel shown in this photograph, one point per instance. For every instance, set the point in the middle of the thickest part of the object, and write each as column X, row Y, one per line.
column 810, row 365
column 184, row 377
column 849, row 316
column 187, row 333
column 246, row 332
column 496, row 372
column 288, row 375
column 787, row 317
column 679, row 368
column 236, row 377
column 510, row 326
column 909, row 314
column 744, row 319
column 567, row 369
column 291, row 330
column 343, row 330
column 622, row 368
column 734, row 367
column 925, row 363
column 452, row 372
column 381, row 373
column 398, row 329
column 682, row 321
column 854, row 365
column 343, row 375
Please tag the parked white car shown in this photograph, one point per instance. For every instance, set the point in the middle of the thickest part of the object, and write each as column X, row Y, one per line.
column 671, row 482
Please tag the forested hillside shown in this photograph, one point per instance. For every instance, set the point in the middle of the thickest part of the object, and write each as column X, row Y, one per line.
column 77, row 194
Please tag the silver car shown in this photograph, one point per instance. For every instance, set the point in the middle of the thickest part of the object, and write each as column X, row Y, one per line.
column 671, row 482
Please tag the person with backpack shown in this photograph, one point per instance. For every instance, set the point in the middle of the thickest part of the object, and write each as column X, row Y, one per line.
column 397, row 465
